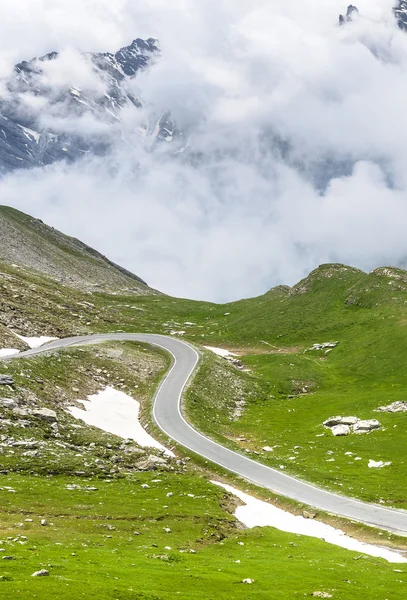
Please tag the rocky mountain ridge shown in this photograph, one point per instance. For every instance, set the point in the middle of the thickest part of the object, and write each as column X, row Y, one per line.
column 30, row 243
column 28, row 140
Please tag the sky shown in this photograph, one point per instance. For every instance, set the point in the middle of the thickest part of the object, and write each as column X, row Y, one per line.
column 296, row 133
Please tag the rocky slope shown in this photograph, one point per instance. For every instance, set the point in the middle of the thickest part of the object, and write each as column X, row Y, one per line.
column 28, row 242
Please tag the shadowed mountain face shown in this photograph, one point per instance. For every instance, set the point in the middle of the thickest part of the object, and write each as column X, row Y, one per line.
column 27, row 141
column 29, row 243
column 401, row 14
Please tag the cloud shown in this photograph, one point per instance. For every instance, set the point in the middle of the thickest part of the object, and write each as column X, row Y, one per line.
column 296, row 140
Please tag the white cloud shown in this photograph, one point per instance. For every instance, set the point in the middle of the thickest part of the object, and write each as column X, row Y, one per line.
column 296, row 131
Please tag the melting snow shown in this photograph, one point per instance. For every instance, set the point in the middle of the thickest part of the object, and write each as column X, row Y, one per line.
column 257, row 513
column 220, row 351
column 36, row 342
column 378, row 464
column 117, row 413
column 8, row 352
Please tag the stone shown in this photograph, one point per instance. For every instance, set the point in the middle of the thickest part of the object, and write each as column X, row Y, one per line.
column 332, row 421
column 8, row 557
column 349, row 420
column 44, row 522
column 27, row 445
column 6, row 380
column 321, row 595
column 267, row 449
column 399, row 406
column 42, row 573
column 248, row 581
column 366, row 426
column 22, row 412
column 151, row 463
column 8, row 403
column 309, row 515
column 340, row 430
column 45, row 414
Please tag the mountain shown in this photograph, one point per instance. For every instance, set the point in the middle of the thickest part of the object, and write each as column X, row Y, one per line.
column 28, row 242
column 27, row 140
column 350, row 13
column 401, row 14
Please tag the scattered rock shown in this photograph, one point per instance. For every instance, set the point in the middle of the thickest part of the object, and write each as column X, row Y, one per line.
column 42, row 573
column 399, row 406
column 6, row 380
column 321, row 595
column 44, row 522
column 340, row 430
column 268, row 449
column 8, row 557
column 324, row 346
column 248, row 581
column 45, row 414
column 344, row 425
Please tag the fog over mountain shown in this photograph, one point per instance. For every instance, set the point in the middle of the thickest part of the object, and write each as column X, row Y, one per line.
column 259, row 139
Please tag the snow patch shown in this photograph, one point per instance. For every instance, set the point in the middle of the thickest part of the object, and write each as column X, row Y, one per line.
column 117, row 413
column 36, row 342
column 220, row 351
column 373, row 464
column 257, row 513
column 8, row 352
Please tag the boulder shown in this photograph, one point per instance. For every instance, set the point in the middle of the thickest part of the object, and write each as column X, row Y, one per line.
column 42, row 573
column 151, row 463
column 332, row 421
column 349, row 420
column 22, row 412
column 7, row 403
column 6, row 380
column 340, row 430
column 309, row 515
column 45, row 414
column 366, row 426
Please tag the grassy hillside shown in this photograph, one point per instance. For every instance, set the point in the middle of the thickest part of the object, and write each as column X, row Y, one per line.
column 106, row 534
column 294, row 391
column 28, row 242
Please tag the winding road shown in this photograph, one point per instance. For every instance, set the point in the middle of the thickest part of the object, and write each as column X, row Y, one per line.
column 167, row 415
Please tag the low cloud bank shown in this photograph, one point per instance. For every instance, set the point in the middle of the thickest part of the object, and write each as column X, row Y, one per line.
column 294, row 151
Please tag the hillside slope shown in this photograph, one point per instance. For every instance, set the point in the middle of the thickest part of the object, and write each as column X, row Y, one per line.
column 28, row 242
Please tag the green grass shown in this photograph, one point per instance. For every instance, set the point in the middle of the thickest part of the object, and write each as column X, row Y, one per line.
column 91, row 551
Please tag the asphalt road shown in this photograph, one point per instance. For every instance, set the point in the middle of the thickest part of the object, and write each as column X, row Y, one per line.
column 168, row 416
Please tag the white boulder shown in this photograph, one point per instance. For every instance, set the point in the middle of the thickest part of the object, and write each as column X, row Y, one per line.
column 340, row 430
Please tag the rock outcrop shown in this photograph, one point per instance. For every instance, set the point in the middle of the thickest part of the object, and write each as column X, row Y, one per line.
column 341, row 426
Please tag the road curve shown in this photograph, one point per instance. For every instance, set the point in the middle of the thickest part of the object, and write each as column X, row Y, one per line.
column 167, row 415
